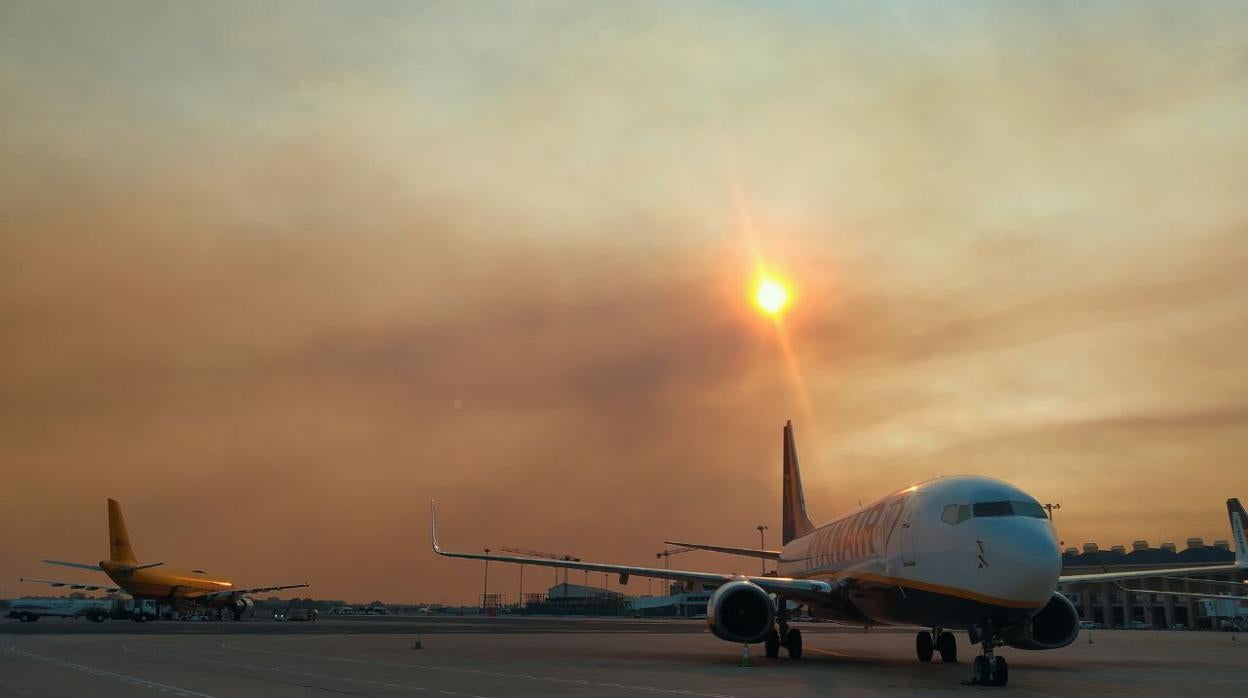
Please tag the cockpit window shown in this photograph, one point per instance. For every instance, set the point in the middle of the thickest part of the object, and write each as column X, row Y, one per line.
column 1031, row 509
column 956, row 513
column 993, row 509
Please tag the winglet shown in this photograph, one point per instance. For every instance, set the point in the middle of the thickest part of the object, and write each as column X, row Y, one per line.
column 1239, row 519
column 433, row 515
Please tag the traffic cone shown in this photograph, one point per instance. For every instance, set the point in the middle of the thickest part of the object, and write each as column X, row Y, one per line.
column 418, row 645
column 745, row 656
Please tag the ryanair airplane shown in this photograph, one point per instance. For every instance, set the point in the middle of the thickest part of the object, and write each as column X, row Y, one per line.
column 955, row 553
column 156, row 582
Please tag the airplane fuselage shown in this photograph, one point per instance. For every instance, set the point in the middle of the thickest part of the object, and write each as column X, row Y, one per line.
column 165, row 585
column 915, row 557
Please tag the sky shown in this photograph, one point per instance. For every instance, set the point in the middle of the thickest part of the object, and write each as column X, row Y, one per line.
column 276, row 275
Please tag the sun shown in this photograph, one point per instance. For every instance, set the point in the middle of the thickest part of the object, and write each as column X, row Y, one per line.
column 771, row 296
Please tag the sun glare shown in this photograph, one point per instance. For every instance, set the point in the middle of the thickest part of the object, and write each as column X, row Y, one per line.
column 771, row 296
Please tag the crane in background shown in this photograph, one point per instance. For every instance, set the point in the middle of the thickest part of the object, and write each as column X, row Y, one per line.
column 666, row 555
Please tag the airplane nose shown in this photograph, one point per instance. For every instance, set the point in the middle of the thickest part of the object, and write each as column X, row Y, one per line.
column 1026, row 560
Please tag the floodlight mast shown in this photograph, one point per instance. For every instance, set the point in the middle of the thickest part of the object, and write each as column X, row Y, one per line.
column 549, row 556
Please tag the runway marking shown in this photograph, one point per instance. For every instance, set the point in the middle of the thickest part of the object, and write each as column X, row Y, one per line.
column 164, row 688
column 239, row 665
column 482, row 672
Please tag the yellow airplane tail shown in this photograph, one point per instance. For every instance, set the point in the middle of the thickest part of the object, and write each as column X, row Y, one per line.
column 119, row 549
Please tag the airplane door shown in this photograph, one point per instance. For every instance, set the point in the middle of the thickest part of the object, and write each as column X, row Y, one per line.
column 908, row 523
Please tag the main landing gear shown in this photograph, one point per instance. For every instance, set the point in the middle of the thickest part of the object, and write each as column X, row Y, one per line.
column 925, row 647
column 783, row 636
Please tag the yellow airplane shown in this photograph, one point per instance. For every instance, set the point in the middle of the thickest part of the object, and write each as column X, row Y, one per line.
column 164, row 586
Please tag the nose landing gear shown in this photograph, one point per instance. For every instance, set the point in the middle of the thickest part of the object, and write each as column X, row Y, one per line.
column 988, row 669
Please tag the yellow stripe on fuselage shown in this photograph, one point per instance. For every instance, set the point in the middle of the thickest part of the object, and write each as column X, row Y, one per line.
column 917, row 585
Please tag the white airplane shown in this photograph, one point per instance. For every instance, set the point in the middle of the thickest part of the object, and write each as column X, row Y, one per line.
column 955, row 553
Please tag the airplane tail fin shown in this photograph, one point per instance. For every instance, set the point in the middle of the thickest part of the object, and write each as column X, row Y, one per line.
column 1239, row 519
column 119, row 549
column 796, row 521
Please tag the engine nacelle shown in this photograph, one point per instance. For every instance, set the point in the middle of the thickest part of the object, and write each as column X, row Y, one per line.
column 1055, row 626
column 241, row 605
column 740, row 611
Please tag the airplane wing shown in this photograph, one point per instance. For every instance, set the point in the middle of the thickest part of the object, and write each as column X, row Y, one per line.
column 242, row 592
column 78, row 586
column 1140, row 574
column 797, row 589
column 727, row 550
column 1184, row 594
column 1239, row 519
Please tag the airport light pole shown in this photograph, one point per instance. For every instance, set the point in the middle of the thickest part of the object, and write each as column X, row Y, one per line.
column 520, row 596
column 1050, row 507
column 762, row 546
column 485, row 584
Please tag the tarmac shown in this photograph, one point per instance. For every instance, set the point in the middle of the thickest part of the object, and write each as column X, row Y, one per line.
column 475, row 657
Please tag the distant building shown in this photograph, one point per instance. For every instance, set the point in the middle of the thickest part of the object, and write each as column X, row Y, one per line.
column 577, row 600
column 679, row 603
column 1119, row 605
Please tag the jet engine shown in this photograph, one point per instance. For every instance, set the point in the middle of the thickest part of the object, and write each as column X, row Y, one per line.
column 241, row 604
column 740, row 611
column 1056, row 625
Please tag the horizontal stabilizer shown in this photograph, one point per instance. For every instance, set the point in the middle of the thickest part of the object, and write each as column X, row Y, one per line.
column 729, row 550
column 77, row 565
column 148, row 566
column 77, row 586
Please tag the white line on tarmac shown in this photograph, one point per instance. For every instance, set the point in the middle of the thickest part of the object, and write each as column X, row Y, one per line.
column 481, row 672
column 309, row 674
column 100, row 672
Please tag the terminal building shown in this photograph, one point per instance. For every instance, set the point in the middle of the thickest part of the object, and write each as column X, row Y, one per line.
column 1118, row 605
column 576, row 600
column 679, row 603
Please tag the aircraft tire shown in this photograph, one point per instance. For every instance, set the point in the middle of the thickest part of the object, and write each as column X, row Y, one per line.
column 794, row 644
column 1000, row 672
column 923, row 646
column 947, row 645
column 979, row 671
column 771, row 644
